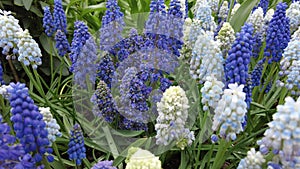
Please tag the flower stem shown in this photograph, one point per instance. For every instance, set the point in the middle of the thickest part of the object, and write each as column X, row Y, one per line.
column 220, row 157
column 14, row 72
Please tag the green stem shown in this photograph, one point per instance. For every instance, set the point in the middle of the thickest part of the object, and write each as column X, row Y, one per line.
column 220, row 157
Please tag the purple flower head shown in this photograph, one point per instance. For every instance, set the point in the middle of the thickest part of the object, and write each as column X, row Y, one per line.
column 264, row 4
column 60, row 19
column 48, row 22
column 80, row 36
column 104, row 165
column 112, row 26
column 157, row 6
column 28, row 122
column 278, row 34
column 76, row 149
column 62, row 44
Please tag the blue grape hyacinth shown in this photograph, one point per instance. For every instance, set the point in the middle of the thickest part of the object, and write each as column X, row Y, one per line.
column 278, row 34
column 59, row 17
column 76, row 149
column 62, row 44
column 28, row 122
column 48, row 22
column 104, row 165
column 80, row 36
column 257, row 72
column 112, row 26
column 106, row 70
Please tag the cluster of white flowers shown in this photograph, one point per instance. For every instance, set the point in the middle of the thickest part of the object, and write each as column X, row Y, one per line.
column 254, row 160
column 223, row 12
column 293, row 13
column 4, row 92
column 203, row 21
column 296, row 35
column 141, row 159
column 207, row 59
column 256, row 19
column 283, row 134
column 9, row 26
column 51, row 124
column 172, row 116
column 214, row 4
column 29, row 51
column 211, row 92
column 226, row 38
column 13, row 37
column 234, row 9
column 230, row 112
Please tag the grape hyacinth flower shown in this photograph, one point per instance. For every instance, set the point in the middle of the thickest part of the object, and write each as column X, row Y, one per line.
column 62, row 44
column 234, row 9
column 293, row 13
column 257, row 72
column 106, row 70
column 28, row 123
column 29, row 51
column 51, row 124
column 211, row 92
column 103, row 99
column 138, row 158
column 296, row 35
column 9, row 32
column 59, row 17
column 172, row 116
column 237, row 62
column 104, row 165
column 76, row 149
column 226, row 38
column 85, row 65
column 48, row 22
column 1, row 76
column 230, row 112
column 282, row 136
column 207, row 59
column 223, row 12
column 278, row 34
column 112, row 26
column 253, row 160
column 80, row 36
column 203, row 21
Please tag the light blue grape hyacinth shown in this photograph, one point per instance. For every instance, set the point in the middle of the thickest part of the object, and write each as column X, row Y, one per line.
column 29, row 51
column 207, row 59
column 283, row 135
column 230, row 112
column 9, row 28
column 51, row 124
column 211, row 92
column 253, row 160
column 202, row 21
column 172, row 117
column 293, row 13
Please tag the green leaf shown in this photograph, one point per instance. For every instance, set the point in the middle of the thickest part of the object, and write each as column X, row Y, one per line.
column 35, row 10
column 125, row 133
column 27, row 4
column 241, row 15
column 44, row 39
column 18, row 2
column 92, row 8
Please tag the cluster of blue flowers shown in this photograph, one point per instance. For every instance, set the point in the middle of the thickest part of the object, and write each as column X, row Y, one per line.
column 257, row 72
column 264, row 4
column 76, row 148
column 112, row 26
column 278, row 34
column 104, row 165
column 28, row 123
column 57, row 24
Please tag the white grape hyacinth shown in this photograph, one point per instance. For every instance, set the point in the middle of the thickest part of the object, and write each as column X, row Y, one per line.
column 172, row 116
column 142, row 159
column 254, row 160
column 230, row 112
column 211, row 92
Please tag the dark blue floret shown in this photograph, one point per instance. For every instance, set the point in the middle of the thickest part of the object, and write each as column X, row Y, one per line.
column 48, row 22
column 278, row 34
column 62, row 44
column 106, row 70
column 76, row 149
